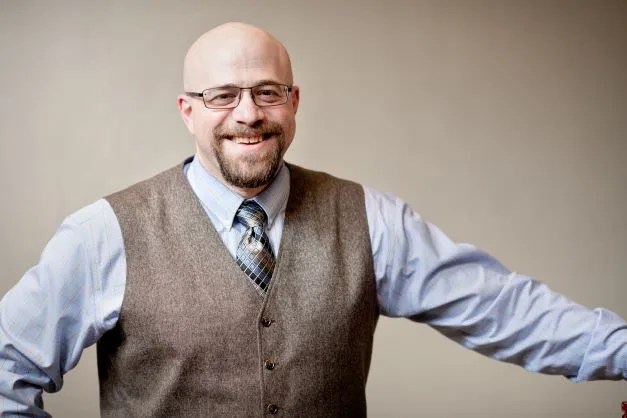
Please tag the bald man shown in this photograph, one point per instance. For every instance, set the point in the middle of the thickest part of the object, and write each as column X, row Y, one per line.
column 244, row 147
column 235, row 284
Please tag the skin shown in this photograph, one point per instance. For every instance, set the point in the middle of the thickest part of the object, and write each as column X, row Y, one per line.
column 245, row 56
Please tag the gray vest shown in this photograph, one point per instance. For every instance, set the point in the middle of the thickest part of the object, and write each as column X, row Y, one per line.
column 195, row 339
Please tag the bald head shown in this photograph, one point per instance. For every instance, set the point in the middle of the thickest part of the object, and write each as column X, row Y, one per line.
column 241, row 146
column 234, row 50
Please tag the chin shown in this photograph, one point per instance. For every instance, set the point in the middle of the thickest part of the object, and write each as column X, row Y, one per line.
column 250, row 175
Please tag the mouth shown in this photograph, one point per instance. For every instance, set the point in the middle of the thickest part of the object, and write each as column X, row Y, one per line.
column 250, row 139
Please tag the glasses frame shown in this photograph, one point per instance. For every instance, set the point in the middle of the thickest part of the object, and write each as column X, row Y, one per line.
column 201, row 95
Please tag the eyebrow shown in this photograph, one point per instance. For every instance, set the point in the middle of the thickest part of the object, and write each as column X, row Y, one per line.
column 257, row 83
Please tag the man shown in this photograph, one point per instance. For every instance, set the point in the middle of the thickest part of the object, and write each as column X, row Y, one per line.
column 237, row 285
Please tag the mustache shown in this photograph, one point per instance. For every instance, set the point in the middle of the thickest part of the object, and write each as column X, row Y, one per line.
column 265, row 130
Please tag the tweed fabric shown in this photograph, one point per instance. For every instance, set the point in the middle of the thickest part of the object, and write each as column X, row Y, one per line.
column 195, row 339
column 254, row 254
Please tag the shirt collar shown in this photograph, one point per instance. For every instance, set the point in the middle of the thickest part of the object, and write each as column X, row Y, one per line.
column 223, row 202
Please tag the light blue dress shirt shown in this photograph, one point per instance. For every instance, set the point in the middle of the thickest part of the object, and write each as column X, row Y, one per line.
column 74, row 294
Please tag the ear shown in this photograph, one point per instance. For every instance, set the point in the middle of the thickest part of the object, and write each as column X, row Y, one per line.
column 295, row 96
column 184, row 104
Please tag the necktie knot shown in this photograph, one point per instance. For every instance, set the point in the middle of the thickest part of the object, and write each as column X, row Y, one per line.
column 251, row 215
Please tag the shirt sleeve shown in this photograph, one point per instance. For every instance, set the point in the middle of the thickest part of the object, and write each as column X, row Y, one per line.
column 59, row 307
column 470, row 297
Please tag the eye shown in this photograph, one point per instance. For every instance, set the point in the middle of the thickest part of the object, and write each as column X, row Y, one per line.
column 223, row 96
column 220, row 96
column 269, row 93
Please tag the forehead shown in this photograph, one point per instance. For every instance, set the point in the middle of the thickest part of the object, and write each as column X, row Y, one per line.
column 244, row 63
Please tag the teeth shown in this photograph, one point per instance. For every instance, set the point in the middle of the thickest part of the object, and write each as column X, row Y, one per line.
column 248, row 140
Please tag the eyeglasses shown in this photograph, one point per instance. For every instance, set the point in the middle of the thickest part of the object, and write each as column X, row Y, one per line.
column 229, row 97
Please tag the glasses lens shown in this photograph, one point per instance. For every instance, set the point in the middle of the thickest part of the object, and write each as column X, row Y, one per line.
column 269, row 95
column 220, row 96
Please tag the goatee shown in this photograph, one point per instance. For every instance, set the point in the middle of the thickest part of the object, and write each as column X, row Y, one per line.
column 250, row 171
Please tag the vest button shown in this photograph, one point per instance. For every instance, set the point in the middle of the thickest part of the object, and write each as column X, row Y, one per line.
column 272, row 408
column 269, row 365
column 266, row 322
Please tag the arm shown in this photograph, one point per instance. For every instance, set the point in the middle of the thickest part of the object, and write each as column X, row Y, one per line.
column 60, row 306
column 471, row 298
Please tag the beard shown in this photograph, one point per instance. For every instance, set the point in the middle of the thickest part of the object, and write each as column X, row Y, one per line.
column 249, row 171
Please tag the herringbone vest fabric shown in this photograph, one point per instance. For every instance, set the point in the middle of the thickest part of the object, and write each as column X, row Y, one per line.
column 194, row 337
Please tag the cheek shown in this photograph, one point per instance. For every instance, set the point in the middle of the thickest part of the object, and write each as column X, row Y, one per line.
column 287, row 122
column 290, row 129
column 205, row 124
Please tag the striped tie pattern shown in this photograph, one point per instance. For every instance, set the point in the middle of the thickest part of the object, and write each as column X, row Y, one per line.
column 254, row 254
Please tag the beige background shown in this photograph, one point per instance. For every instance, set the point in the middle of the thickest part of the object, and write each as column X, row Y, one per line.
column 503, row 122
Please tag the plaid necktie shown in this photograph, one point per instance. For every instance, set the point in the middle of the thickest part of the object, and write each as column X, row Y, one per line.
column 254, row 254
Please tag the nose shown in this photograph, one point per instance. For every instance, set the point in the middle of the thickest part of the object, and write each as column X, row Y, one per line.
column 247, row 112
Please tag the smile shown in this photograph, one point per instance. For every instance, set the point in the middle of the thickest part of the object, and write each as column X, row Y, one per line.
column 250, row 139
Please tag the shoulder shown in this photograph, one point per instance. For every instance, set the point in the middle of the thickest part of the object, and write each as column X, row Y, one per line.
column 378, row 204
column 90, row 218
column 158, row 184
column 86, row 246
column 383, row 201
column 152, row 196
column 311, row 182
column 94, row 227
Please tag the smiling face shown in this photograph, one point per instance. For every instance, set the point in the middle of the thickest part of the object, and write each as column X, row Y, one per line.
column 243, row 147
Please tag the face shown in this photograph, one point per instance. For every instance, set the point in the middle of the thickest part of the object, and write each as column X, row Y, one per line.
column 244, row 146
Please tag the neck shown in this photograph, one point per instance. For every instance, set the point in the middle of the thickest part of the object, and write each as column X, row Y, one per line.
column 246, row 193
